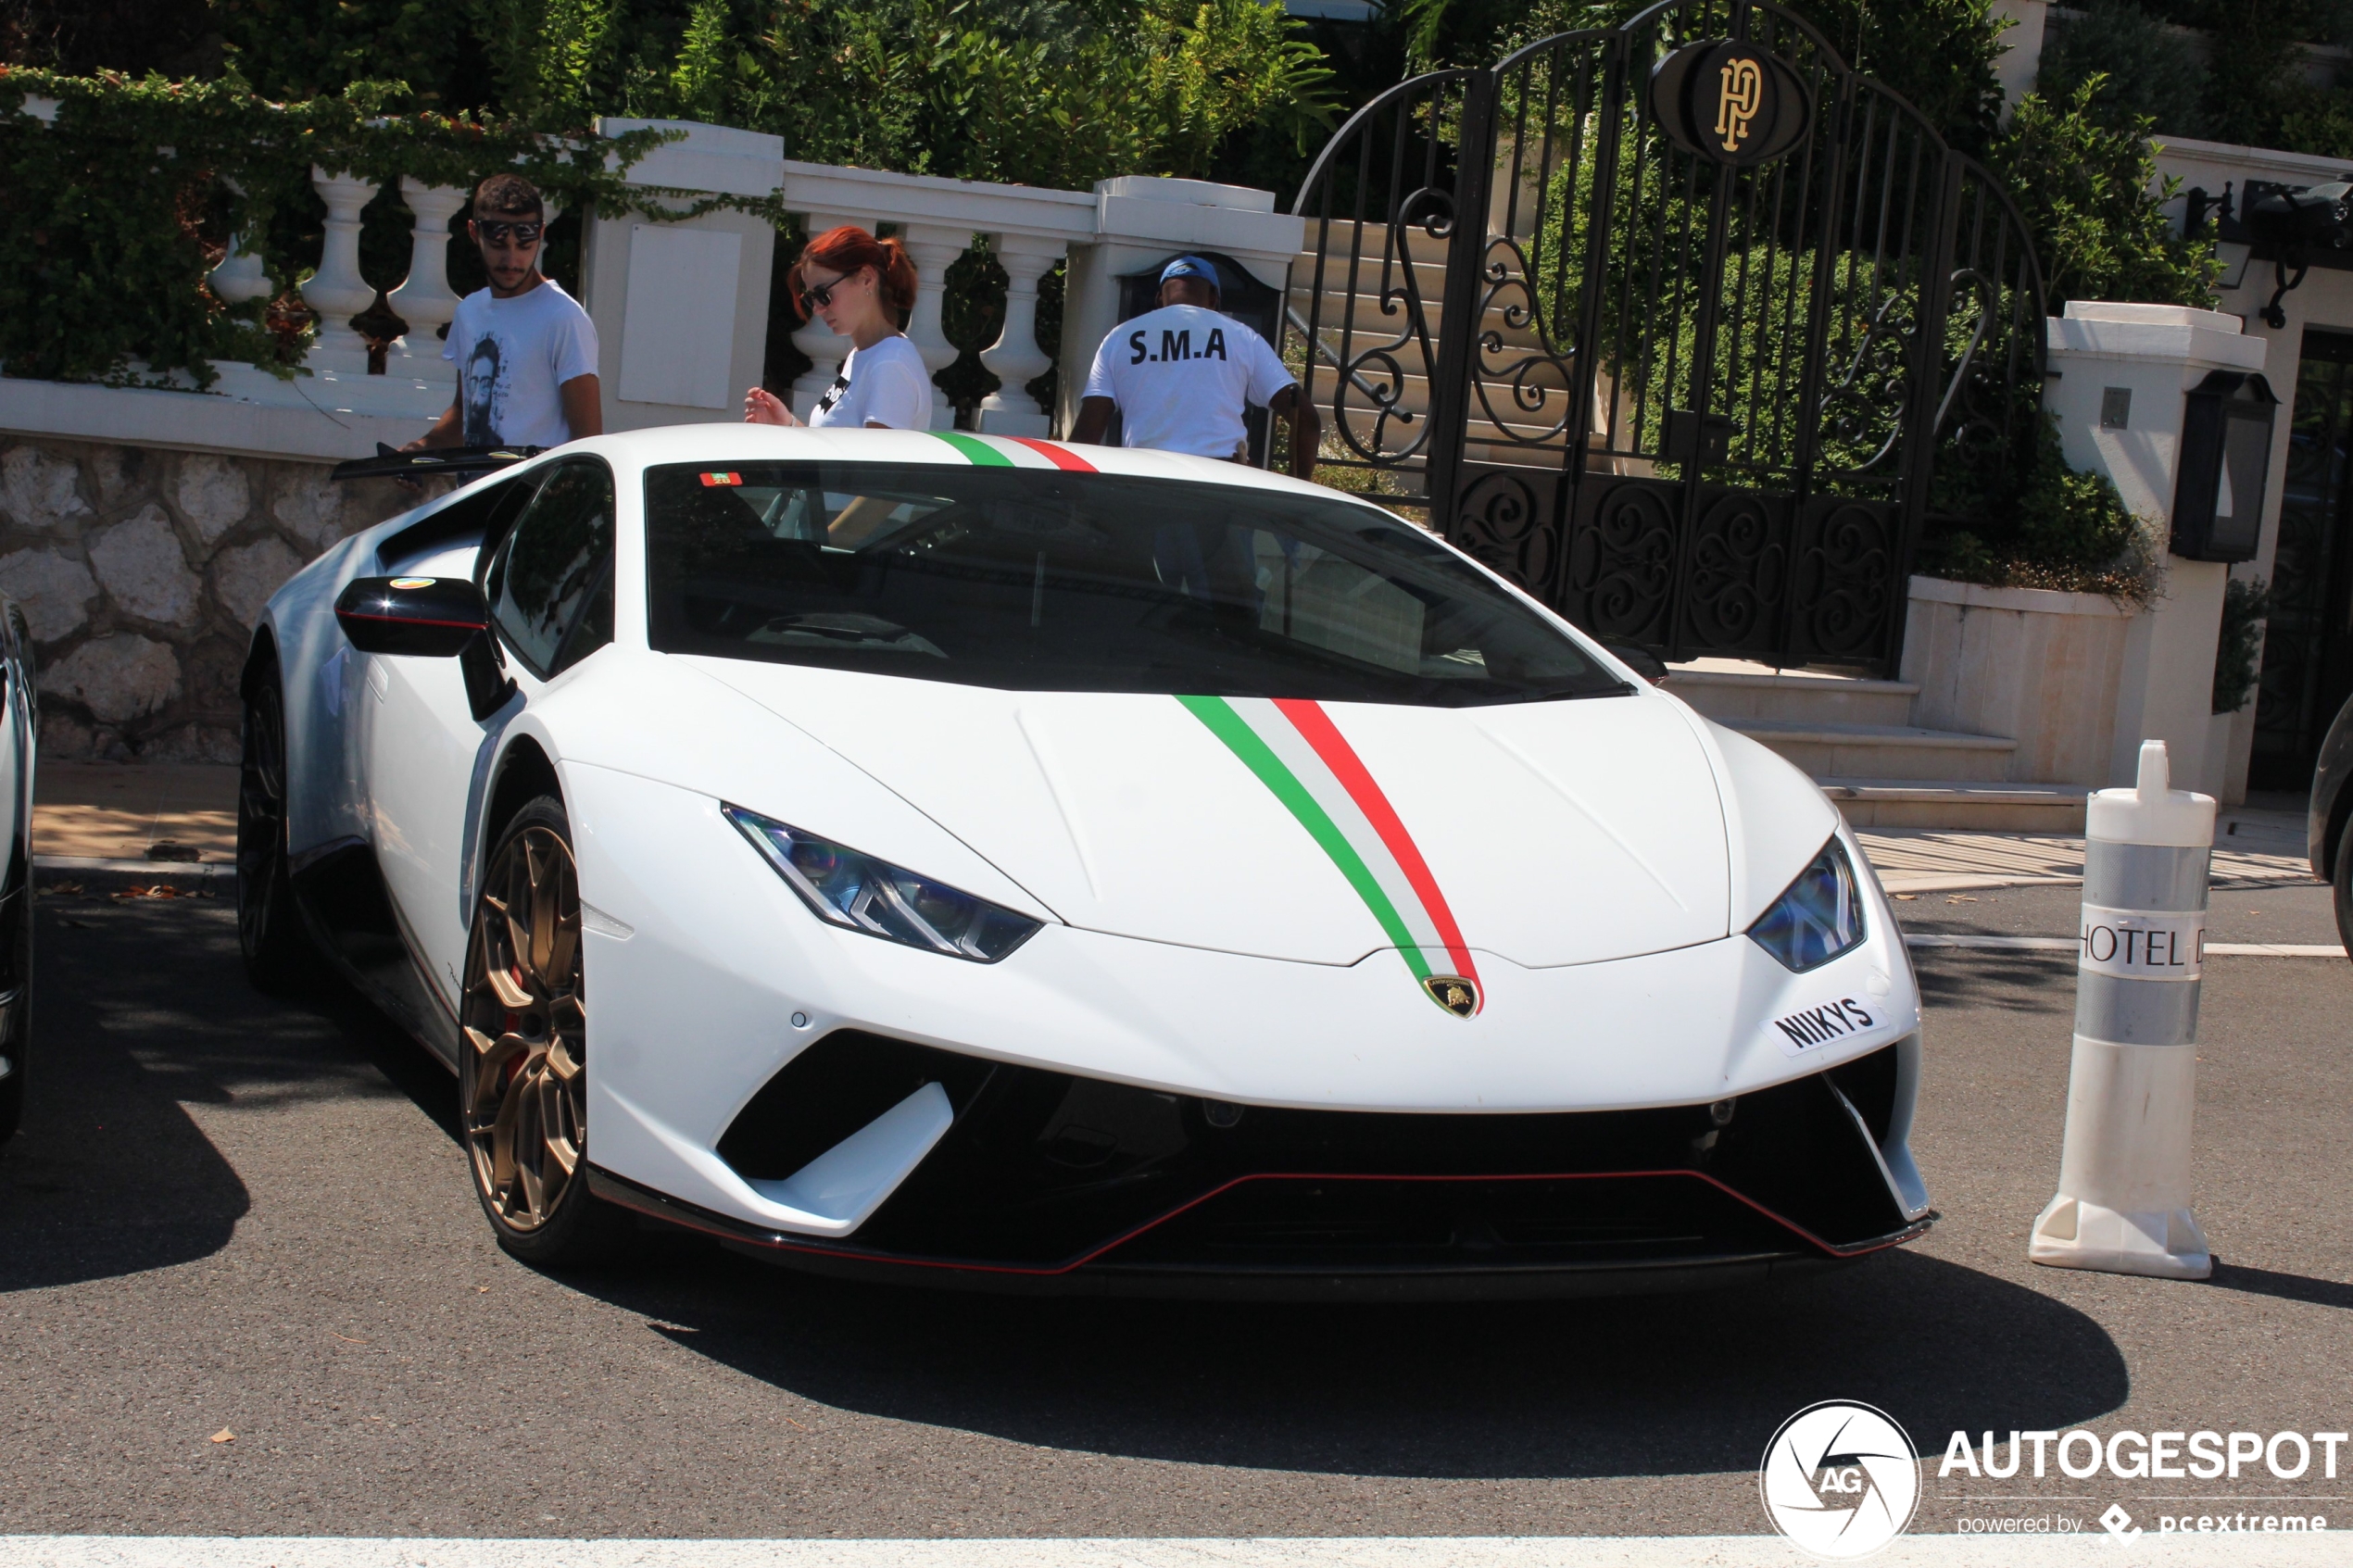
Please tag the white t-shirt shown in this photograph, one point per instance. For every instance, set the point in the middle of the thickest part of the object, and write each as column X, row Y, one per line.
column 1182, row 376
column 512, row 355
column 886, row 385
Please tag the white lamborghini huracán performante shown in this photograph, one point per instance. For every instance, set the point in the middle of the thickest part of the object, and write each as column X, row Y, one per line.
column 963, row 858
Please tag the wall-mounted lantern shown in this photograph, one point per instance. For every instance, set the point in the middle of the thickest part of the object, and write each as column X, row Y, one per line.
column 2292, row 223
column 2226, row 460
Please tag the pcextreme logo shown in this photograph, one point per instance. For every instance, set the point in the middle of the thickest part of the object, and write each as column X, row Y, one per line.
column 1839, row 1479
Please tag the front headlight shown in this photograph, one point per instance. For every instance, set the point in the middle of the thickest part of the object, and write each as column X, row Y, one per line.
column 1818, row 917
column 859, row 892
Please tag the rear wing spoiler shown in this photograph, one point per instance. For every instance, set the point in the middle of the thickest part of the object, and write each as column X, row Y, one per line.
column 392, row 463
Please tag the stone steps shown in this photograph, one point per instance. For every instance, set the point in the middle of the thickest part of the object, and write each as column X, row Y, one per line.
column 1978, row 807
column 1729, row 697
column 1881, row 751
column 1855, row 738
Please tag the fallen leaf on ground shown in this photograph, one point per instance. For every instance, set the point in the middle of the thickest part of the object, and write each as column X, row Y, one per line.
column 1961, row 898
column 1905, row 897
column 790, row 1421
column 63, row 889
column 347, row 1339
column 224, row 1435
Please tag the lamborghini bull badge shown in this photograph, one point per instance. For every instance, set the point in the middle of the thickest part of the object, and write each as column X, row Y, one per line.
column 1454, row 993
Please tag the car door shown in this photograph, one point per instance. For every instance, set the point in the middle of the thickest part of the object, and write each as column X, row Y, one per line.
column 549, row 581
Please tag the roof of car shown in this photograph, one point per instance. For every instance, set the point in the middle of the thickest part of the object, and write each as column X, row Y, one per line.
column 724, row 444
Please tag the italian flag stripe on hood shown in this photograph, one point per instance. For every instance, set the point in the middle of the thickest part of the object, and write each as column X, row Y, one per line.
column 1299, row 754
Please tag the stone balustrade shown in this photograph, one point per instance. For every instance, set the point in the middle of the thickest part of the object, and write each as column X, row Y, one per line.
column 682, row 306
column 1123, row 224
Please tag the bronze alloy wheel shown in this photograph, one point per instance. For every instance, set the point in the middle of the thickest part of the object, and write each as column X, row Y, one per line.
column 524, row 1080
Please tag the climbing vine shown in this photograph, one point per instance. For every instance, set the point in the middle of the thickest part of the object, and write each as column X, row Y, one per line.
column 116, row 196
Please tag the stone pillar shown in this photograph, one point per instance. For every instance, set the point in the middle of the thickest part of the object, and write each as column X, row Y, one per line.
column 1014, row 358
column 932, row 250
column 424, row 299
column 2021, row 54
column 336, row 290
column 240, row 276
column 681, row 305
column 823, row 347
column 2117, row 397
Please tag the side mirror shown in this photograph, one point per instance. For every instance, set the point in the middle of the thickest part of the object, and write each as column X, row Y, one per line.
column 429, row 617
column 1643, row 662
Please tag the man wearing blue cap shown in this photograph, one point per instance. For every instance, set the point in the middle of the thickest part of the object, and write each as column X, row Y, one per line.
column 1180, row 378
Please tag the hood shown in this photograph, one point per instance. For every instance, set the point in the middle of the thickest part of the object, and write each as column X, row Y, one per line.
column 1546, row 833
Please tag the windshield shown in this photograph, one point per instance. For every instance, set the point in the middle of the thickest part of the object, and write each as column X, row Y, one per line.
column 1060, row 582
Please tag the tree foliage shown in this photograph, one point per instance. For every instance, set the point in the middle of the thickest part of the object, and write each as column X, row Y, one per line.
column 2249, row 80
column 2145, row 69
column 1040, row 92
column 2092, row 197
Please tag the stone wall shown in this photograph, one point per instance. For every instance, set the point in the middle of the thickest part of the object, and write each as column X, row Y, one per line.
column 140, row 572
column 2041, row 668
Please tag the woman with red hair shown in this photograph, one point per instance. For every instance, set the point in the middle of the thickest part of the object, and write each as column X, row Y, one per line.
column 863, row 288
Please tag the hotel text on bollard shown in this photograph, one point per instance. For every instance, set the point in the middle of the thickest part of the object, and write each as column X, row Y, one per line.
column 2124, row 1204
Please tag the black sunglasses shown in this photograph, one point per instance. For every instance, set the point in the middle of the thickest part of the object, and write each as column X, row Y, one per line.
column 494, row 231
column 819, row 298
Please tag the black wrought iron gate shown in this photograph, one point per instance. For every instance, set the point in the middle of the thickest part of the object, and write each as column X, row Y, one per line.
column 1683, row 325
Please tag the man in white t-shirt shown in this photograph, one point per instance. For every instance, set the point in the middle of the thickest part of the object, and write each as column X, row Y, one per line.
column 525, row 351
column 1180, row 378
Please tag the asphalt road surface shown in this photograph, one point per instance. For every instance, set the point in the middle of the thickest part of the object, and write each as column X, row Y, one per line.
column 234, row 1213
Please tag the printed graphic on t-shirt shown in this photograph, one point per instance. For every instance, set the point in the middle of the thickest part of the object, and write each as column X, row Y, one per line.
column 833, row 396
column 486, row 390
column 513, row 357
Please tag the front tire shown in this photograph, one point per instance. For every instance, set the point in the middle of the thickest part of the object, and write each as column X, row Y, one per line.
column 15, row 987
column 523, row 1062
column 278, row 954
column 2344, row 883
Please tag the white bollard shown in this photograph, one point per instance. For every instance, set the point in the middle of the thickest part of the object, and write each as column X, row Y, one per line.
column 2124, row 1204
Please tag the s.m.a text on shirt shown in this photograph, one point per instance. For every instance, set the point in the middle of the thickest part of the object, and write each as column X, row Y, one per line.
column 1183, row 376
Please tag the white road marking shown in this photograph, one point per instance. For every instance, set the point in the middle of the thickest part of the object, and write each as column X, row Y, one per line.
column 2327, row 1549
column 2068, row 944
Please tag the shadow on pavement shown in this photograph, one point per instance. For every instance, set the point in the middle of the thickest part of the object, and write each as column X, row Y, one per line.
column 2287, row 1287
column 1677, row 1384
column 2007, row 981
column 133, row 1022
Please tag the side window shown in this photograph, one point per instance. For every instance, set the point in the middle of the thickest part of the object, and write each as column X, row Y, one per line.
column 550, row 582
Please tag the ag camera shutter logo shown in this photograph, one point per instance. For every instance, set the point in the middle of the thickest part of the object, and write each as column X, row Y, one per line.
column 1839, row 1479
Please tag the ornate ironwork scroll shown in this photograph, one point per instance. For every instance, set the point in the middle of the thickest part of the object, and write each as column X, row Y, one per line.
column 1701, row 389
